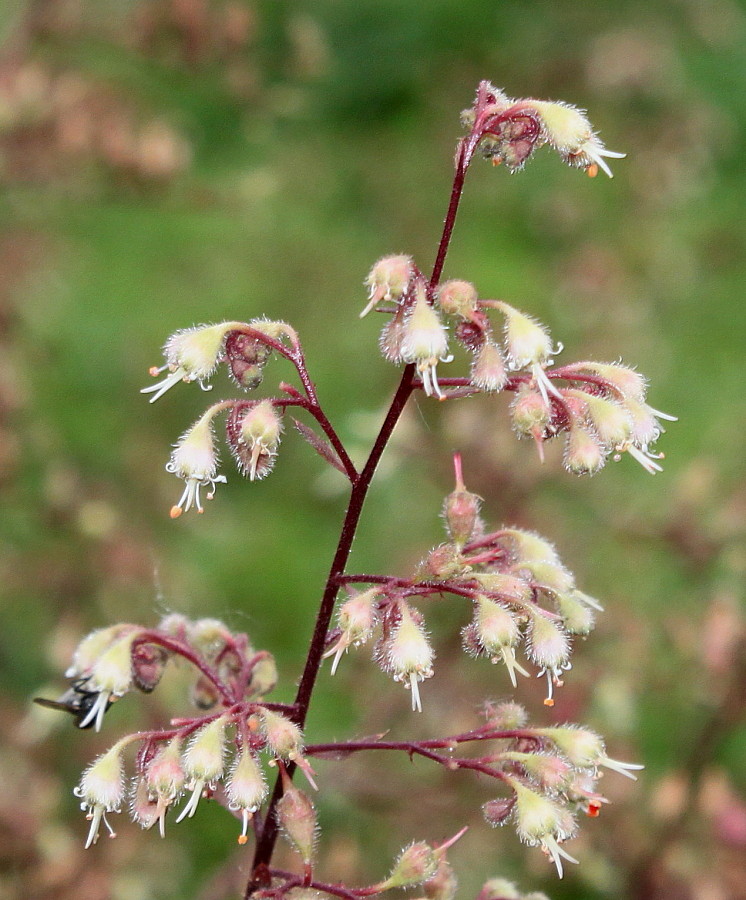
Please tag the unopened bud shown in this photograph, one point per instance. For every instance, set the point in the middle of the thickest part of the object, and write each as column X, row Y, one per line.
column 246, row 357
column 584, row 454
column 416, row 864
column 505, row 714
column 577, row 617
column 499, row 889
column 506, row 587
column 623, row 380
column 284, row 737
column 442, row 562
column 529, row 413
column 443, row 884
column 148, row 664
column 204, row 694
column 497, row 811
column 263, row 676
column 457, row 298
column 548, row 575
column 461, row 509
column 209, row 636
column 526, row 545
column 488, row 371
column 204, row 757
column 296, row 817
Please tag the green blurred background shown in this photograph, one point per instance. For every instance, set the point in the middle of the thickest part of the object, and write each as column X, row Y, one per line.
column 171, row 162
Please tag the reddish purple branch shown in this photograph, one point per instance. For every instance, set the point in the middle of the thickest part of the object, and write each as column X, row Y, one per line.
column 360, row 486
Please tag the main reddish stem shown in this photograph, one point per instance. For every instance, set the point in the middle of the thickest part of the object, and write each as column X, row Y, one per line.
column 267, row 837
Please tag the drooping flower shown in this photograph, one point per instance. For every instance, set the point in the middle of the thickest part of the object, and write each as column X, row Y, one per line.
column 356, row 618
column 569, row 132
column 203, row 762
column 543, row 822
column 246, row 788
column 192, row 354
column 424, row 342
column 585, row 749
column 164, row 780
column 388, row 280
column 195, row 459
column 111, row 677
column 408, row 655
column 101, row 790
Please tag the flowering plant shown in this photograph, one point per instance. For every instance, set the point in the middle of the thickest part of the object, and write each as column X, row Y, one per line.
column 524, row 605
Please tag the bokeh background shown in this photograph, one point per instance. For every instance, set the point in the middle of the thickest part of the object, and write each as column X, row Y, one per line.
column 170, row 162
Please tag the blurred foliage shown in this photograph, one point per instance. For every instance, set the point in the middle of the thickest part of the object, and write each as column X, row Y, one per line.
column 169, row 162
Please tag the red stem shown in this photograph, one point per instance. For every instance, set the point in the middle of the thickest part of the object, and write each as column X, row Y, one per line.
column 360, row 486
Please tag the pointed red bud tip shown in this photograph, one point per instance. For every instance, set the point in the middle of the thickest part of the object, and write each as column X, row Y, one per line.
column 594, row 810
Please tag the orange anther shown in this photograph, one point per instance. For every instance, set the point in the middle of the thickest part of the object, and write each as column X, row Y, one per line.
column 549, row 702
column 496, row 160
column 592, row 170
column 242, row 839
column 594, row 810
column 154, row 370
column 175, row 512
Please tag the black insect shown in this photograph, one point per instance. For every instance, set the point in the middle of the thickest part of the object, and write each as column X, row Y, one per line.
column 77, row 700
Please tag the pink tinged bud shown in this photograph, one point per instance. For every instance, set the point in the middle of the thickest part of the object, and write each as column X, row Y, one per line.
column 101, row 790
column 392, row 338
column 499, row 889
column 246, row 358
column 550, row 772
column 488, row 371
column 388, row 280
column 461, row 510
column 570, row 133
column 204, row 762
column 542, row 822
column 585, row 749
column 143, row 808
column 148, row 664
column 577, row 617
column 527, row 341
column 191, row 355
column 584, row 454
column 111, row 676
column 408, row 654
column 444, row 561
column 505, row 714
column 195, row 459
column 529, row 414
column 246, row 788
column 611, row 423
column 457, row 298
column 260, row 430
column 296, row 817
column 357, row 619
column 164, row 781
column 496, row 812
column 416, row 864
column 425, row 342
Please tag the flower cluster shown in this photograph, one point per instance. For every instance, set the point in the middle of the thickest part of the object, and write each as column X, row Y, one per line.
column 522, row 596
column 218, row 747
column 508, row 131
column 600, row 407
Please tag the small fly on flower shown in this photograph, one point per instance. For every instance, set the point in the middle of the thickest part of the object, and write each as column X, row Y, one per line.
column 76, row 700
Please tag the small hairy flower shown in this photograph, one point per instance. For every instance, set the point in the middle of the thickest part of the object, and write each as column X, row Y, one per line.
column 191, row 355
column 111, row 677
column 195, row 459
column 408, row 655
column 164, row 780
column 93, row 645
column 488, row 371
column 585, row 749
column 611, row 422
column 203, row 762
column 569, row 132
column 388, row 280
column 258, row 437
column 102, row 790
column 549, row 648
column 497, row 634
column 584, row 454
column 424, row 342
column 543, row 822
column 246, row 788
column 357, row 619
column 577, row 617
